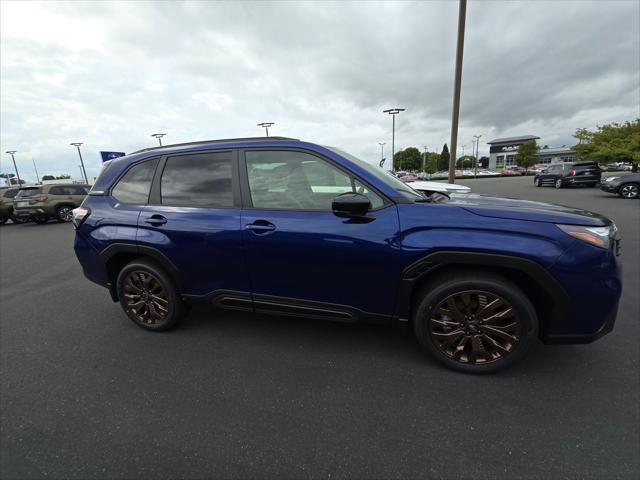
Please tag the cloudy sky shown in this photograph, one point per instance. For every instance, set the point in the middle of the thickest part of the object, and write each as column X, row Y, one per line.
column 111, row 73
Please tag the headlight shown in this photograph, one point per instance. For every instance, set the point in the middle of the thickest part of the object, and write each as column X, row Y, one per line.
column 597, row 236
column 611, row 179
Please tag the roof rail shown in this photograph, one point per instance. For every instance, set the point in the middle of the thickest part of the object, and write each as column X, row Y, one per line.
column 223, row 140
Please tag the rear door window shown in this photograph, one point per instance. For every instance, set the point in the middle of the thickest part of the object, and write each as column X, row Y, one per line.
column 198, row 180
column 134, row 186
column 28, row 192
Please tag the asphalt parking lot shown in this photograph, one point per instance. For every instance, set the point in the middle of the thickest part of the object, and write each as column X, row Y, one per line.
column 87, row 394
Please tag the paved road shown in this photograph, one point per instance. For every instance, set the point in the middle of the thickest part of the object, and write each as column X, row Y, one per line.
column 87, row 394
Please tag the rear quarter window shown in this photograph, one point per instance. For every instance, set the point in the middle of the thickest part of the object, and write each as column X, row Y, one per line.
column 134, row 186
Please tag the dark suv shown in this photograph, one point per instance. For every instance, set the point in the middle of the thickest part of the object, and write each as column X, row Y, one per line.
column 566, row 174
column 280, row 226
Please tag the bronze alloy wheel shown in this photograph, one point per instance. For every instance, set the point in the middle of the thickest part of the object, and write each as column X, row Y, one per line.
column 145, row 297
column 475, row 327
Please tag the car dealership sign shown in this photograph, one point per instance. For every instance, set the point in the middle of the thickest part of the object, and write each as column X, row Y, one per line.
column 504, row 148
column 106, row 156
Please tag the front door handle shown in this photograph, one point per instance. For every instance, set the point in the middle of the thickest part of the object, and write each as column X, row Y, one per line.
column 155, row 220
column 260, row 227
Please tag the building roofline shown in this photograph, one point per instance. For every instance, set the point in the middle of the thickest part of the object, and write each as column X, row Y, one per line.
column 513, row 139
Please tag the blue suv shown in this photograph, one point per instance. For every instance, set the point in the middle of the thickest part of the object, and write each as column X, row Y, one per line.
column 281, row 226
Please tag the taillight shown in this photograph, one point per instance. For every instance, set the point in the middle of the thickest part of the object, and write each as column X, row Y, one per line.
column 39, row 198
column 80, row 215
column 572, row 173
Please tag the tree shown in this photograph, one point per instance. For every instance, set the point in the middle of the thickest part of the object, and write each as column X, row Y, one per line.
column 408, row 159
column 48, row 177
column 465, row 161
column 614, row 142
column 443, row 162
column 431, row 165
column 526, row 156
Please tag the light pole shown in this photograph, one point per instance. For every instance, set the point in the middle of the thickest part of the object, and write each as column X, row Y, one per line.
column 11, row 152
column 84, row 172
column 477, row 137
column 266, row 126
column 36, row 169
column 455, row 115
column 159, row 137
column 382, row 144
column 393, row 112
column 424, row 161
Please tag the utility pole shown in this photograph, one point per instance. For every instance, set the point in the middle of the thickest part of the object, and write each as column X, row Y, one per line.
column 424, row 161
column 77, row 145
column 393, row 112
column 266, row 126
column 36, row 169
column 12, row 152
column 477, row 137
column 159, row 137
column 382, row 144
column 462, row 11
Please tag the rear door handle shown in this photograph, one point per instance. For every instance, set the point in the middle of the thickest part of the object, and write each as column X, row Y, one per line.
column 155, row 220
column 260, row 227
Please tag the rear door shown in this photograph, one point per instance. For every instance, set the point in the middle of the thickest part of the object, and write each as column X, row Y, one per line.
column 193, row 218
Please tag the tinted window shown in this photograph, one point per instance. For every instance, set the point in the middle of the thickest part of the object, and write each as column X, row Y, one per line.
column 55, row 191
column 28, row 192
column 298, row 181
column 10, row 193
column 198, row 180
column 135, row 185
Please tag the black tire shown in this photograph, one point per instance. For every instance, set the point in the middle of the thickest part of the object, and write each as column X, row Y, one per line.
column 558, row 183
column 40, row 219
column 427, row 320
column 537, row 182
column 130, row 286
column 3, row 221
column 629, row 190
column 64, row 213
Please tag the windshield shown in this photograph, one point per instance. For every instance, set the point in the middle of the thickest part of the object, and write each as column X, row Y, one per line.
column 380, row 174
column 28, row 192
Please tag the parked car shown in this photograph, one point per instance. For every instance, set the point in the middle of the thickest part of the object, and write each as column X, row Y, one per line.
column 429, row 188
column 627, row 186
column 257, row 225
column 6, row 205
column 568, row 174
column 513, row 170
column 409, row 178
column 41, row 203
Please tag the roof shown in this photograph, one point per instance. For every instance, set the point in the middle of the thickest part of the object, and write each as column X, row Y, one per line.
column 554, row 151
column 223, row 140
column 523, row 138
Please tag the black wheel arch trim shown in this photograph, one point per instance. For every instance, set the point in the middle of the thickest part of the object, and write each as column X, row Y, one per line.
column 436, row 261
column 117, row 248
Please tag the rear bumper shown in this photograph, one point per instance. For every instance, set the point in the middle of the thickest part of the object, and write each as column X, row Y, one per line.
column 29, row 212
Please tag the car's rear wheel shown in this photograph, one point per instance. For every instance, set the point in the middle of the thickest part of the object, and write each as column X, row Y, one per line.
column 629, row 190
column 41, row 219
column 149, row 296
column 64, row 214
column 3, row 221
column 537, row 182
column 558, row 183
column 475, row 323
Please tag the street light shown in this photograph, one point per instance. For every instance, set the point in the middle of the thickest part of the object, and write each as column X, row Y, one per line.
column 159, row 137
column 266, row 126
column 477, row 137
column 393, row 112
column 36, row 169
column 424, row 161
column 382, row 144
column 84, row 172
column 11, row 152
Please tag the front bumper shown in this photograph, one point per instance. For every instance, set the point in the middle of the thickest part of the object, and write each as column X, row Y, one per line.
column 563, row 339
column 609, row 187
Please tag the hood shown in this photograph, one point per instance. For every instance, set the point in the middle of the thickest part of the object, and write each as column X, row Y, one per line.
column 516, row 209
column 439, row 186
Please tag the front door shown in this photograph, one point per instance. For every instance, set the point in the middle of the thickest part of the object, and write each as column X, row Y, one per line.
column 193, row 218
column 302, row 259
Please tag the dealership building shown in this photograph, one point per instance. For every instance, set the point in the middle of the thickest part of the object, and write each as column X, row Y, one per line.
column 502, row 152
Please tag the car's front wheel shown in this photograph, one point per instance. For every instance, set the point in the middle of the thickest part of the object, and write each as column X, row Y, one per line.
column 64, row 214
column 558, row 183
column 629, row 190
column 476, row 322
column 3, row 221
column 149, row 296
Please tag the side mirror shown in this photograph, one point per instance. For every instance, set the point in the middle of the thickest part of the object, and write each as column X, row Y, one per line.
column 350, row 205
